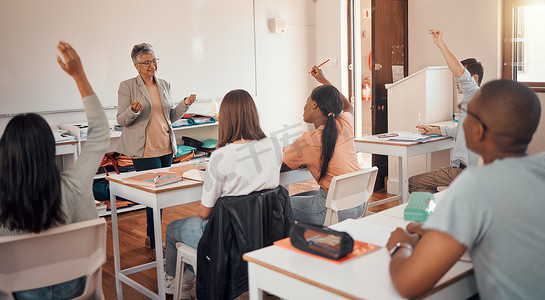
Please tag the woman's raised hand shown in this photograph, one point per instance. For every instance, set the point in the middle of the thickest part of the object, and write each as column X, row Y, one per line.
column 71, row 64
column 319, row 75
column 70, row 61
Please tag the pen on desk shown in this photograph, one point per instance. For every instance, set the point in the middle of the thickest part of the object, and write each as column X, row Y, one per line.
column 157, row 177
column 319, row 65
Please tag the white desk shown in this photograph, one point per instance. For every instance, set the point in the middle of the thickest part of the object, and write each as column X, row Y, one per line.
column 374, row 145
column 67, row 148
column 157, row 198
column 291, row 275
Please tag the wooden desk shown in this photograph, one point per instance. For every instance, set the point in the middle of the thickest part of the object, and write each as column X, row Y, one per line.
column 157, row 198
column 293, row 275
column 374, row 145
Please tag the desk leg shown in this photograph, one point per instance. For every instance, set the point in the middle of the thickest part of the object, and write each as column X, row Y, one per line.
column 403, row 178
column 115, row 236
column 159, row 251
column 254, row 292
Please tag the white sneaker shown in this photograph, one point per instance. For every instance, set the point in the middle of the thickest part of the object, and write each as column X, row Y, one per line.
column 170, row 285
column 186, row 289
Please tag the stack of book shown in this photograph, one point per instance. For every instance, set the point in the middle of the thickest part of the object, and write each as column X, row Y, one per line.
column 101, row 207
column 154, row 179
column 189, row 171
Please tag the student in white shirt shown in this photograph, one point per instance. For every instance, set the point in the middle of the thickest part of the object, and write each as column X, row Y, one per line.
column 245, row 161
column 494, row 211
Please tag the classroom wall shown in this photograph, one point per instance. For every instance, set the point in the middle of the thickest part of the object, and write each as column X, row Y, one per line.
column 282, row 64
column 472, row 29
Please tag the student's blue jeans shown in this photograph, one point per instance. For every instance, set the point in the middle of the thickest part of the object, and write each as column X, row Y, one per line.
column 142, row 164
column 188, row 231
column 309, row 207
column 66, row 290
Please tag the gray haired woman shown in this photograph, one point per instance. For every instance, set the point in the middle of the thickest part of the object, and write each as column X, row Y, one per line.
column 146, row 112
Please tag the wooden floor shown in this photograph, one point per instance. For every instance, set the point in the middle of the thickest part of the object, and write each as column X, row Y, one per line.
column 132, row 233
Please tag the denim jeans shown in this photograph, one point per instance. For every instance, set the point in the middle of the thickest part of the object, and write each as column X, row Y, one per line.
column 188, row 231
column 142, row 164
column 309, row 207
column 66, row 290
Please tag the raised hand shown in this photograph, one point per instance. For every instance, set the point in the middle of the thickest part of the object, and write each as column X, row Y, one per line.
column 437, row 36
column 319, row 75
column 71, row 64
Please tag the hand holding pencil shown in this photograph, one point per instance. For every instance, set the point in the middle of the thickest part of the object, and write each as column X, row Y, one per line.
column 428, row 130
column 317, row 73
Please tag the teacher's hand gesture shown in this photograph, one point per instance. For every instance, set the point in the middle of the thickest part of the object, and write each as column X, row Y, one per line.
column 190, row 100
column 136, row 106
column 71, row 64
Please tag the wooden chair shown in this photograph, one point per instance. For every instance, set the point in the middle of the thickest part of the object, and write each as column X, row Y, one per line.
column 349, row 191
column 57, row 255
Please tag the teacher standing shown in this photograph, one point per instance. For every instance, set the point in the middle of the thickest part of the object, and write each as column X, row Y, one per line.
column 145, row 112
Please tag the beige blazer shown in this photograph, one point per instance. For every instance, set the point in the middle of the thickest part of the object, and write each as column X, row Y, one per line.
column 133, row 138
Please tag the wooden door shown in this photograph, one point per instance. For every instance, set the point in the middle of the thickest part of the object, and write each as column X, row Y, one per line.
column 389, row 47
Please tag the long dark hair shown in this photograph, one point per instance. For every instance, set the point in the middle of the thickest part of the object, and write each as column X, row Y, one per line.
column 30, row 182
column 330, row 104
column 238, row 118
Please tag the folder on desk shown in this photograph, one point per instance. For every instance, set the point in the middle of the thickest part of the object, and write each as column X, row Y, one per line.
column 404, row 136
column 420, row 206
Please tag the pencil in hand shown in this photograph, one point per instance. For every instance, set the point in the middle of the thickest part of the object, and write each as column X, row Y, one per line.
column 319, row 65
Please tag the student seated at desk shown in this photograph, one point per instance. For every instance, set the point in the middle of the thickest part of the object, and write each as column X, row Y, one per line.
column 495, row 211
column 327, row 151
column 469, row 75
column 245, row 161
column 34, row 196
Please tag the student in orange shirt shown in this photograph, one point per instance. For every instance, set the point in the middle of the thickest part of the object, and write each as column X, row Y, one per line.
column 327, row 151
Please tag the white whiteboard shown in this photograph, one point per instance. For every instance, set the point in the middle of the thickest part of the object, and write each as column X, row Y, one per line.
column 205, row 47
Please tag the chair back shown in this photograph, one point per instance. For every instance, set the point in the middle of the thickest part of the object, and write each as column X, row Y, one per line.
column 57, row 255
column 348, row 191
column 239, row 224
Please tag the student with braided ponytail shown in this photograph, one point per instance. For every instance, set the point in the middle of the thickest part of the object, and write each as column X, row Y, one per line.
column 327, row 151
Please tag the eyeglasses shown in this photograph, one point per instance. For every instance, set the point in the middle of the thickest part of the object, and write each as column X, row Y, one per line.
column 147, row 63
column 472, row 114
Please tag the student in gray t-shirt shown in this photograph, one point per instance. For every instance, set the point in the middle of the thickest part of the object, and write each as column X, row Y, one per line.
column 495, row 211
column 468, row 74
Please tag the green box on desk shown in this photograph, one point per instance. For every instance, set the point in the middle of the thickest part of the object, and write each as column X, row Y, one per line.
column 420, row 206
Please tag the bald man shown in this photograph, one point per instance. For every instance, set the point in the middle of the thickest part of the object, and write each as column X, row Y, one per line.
column 495, row 211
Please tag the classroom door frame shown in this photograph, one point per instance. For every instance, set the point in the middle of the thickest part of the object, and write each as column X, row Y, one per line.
column 389, row 46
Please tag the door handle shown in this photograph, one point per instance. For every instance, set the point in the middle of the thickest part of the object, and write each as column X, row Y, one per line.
column 378, row 67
